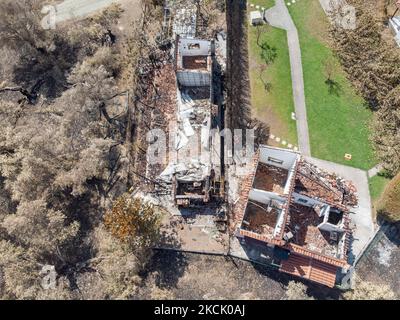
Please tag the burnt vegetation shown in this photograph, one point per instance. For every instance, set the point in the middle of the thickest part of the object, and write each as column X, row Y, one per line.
column 238, row 105
column 371, row 59
column 68, row 124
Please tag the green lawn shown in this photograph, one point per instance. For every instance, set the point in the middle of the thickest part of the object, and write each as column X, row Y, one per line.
column 376, row 186
column 338, row 123
column 276, row 106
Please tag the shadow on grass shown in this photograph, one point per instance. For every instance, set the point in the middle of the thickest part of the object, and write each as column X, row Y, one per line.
column 334, row 87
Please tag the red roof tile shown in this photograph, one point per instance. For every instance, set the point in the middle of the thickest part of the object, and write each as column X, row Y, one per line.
column 240, row 207
column 308, row 268
column 317, row 256
column 260, row 237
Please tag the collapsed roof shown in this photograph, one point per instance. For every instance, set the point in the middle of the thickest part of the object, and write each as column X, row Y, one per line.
column 185, row 18
column 290, row 203
column 190, row 168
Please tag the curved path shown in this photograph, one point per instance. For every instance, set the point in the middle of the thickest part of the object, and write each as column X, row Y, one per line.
column 278, row 16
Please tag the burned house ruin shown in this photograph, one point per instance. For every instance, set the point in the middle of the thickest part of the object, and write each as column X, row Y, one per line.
column 192, row 171
column 289, row 207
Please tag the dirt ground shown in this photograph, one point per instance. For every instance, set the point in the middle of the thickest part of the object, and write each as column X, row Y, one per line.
column 195, row 276
column 132, row 11
column 207, row 277
column 381, row 263
column 195, row 232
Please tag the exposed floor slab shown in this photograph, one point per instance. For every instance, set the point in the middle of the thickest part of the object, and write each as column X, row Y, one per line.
column 251, row 250
column 192, row 231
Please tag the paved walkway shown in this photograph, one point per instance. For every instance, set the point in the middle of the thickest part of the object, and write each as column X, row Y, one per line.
column 375, row 170
column 70, row 9
column 363, row 214
column 279, row 17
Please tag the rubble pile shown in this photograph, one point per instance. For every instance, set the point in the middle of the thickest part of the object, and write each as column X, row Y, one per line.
column 220, row 49
column 259, row 219
column 304, row 225
column 349, row 192
column 270, row 178
column 337, row 184
column 166, row 93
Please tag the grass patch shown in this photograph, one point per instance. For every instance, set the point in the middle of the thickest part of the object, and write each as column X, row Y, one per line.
column 276, row 106
column 377, row 185
column 338, row 122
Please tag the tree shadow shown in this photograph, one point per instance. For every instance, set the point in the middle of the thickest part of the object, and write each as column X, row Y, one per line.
column 391, row 231
column 168, row 267
column 272, row 273
column 268, row 53
column 47, row 73
column 320, row 292
column 167, row 264
column 334, row 87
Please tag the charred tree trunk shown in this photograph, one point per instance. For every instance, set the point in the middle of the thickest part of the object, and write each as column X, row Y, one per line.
column 237, row 80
